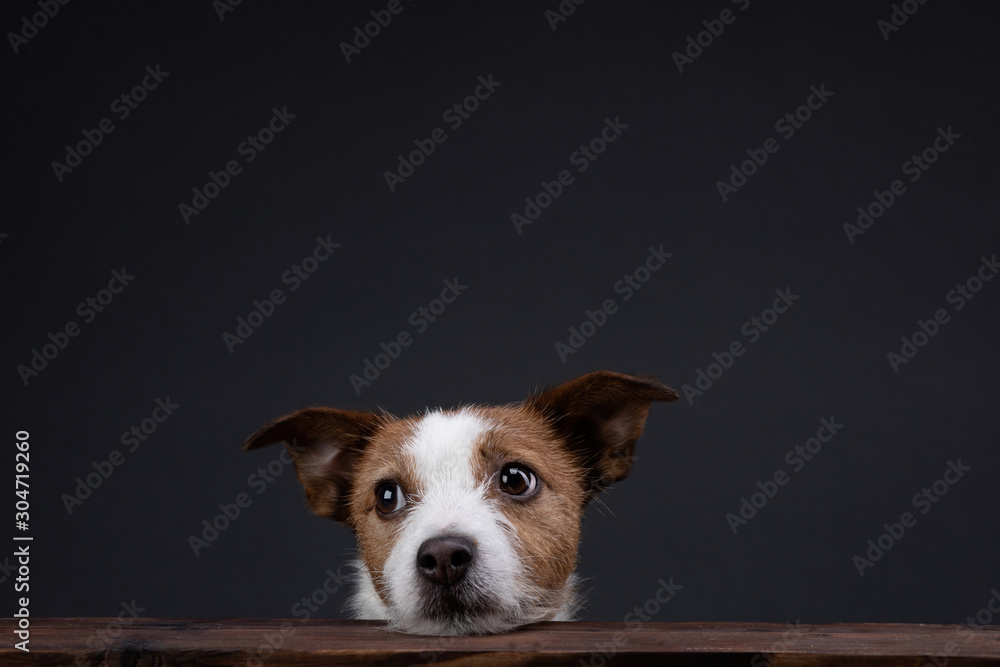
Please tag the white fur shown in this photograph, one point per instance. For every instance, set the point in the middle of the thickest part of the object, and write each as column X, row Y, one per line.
column 454, row 502
column 365, row 602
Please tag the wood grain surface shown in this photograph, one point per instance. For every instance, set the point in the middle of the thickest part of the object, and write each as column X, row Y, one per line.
column 256, row 642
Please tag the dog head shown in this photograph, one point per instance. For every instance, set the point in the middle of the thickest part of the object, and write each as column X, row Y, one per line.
column 468, row 520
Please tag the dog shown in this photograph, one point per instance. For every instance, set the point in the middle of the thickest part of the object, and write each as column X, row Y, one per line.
column 468, row 520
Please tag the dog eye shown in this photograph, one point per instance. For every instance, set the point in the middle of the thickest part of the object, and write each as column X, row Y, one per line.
column 389, row 497
column 517, row 480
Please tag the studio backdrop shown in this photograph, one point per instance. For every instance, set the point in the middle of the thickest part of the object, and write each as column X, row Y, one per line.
column 218, row 212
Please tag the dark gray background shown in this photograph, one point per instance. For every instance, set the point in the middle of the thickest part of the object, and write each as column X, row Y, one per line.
column 323, row 175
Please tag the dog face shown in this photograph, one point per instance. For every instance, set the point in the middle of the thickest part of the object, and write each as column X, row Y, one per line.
column 468, row 520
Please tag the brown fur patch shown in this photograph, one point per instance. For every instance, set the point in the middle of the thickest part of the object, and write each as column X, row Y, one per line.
column 547, row 525
column 382, row 460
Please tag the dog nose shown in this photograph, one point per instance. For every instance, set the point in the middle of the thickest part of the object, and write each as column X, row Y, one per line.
column 445, row 560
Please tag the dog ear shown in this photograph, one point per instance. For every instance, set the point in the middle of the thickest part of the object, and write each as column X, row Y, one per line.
column 324, row 444
column 600, row 416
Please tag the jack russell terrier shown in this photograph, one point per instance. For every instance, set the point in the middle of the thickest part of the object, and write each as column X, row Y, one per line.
column 468, row 520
